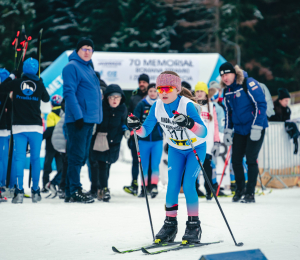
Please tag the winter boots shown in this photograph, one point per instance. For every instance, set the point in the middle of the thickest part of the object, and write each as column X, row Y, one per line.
column 36, row 196
column 18, row 196
column 248, row 198
column 193, row 231
column 238, row 195
column 80, row 197
column 168, row 231
column 132, row 189
column 103, row 194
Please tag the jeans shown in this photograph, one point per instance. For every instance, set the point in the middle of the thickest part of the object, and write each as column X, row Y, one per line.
column 243, row 145
column 78, row 144
column 19, row 158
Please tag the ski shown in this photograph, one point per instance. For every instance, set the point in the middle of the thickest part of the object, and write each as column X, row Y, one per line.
column 147, row 247
column 178, row 247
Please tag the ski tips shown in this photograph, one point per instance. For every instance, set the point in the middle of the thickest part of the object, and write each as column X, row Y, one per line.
column 115, row 250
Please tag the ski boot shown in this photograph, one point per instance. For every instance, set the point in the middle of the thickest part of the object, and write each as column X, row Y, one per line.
column 248, row 198
column 221, row 193
column 79, row 196
column 91, row 194
column 238, row 195
column 193, row 231
column 106, row 195
column 133, row 189
column 209, row 195
column 142, row 194
column 2, row 198
column 49, row 186
column 168, row 231
column 153, row 191
column 44, row 190
column 18, row 196
column 36, row 195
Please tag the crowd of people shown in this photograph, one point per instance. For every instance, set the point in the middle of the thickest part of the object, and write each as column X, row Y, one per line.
column 87, row 124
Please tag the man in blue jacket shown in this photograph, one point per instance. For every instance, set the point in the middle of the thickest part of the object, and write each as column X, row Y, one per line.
column 245, row 114
column 83, row 109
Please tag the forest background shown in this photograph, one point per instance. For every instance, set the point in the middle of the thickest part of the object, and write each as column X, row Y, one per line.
column 265, row 30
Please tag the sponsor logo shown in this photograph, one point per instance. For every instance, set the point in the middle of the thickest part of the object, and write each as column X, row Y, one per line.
column 28, row 87
column 252, row 83
column 255, row 88
column 183, row 142
column 222, row 72
column 238, row 94
column 227, row 71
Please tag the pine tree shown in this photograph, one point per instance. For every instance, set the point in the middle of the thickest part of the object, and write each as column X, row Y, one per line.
column 13, row 14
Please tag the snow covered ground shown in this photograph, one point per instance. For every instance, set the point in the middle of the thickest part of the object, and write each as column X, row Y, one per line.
column 53, row 229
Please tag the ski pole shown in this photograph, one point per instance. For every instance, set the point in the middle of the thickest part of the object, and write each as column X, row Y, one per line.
column 209, row 184
column 225, row 166
column 145, row 192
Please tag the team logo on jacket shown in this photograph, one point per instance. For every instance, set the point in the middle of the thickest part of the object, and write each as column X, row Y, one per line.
column 28, row 87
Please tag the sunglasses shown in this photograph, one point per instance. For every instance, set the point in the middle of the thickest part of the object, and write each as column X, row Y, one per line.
column 166, row 89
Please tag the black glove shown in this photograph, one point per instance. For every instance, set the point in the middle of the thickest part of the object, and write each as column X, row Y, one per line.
column 79, row 123
column 133, row 122
column 184, row 121
column 17, row 73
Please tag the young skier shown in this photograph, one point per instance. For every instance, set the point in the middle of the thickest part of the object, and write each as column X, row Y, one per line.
column 180, row 154
column 28, row 92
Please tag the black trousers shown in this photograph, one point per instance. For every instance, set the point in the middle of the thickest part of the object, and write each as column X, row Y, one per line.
column 208, row 169
column 51, row 153
column 100, row 174
column 244, row 146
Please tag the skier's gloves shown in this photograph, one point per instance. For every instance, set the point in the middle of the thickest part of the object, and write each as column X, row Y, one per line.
column 79, row 123
column 216, row 149
column 184, row 121
column 228, row 136
column 255, row 133
column 16, row 73
column 127, row 134
column 133, row 122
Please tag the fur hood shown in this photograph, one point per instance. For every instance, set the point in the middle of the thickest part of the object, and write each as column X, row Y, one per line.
column 239, row 77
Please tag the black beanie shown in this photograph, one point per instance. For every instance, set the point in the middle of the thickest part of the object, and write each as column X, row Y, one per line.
column 283, row 93
column 152, row 85
column 186, row 85
column 144, row 77
column 84, row 41
column 226, row 68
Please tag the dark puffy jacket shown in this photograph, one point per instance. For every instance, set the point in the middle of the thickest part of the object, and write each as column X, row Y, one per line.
column 136, row 97
column 282, row 114
column 5, row 114
column 141, row 111
column 113, row 124
column 244, row 109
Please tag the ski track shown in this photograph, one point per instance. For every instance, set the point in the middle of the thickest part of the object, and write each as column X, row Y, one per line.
column 53, row 229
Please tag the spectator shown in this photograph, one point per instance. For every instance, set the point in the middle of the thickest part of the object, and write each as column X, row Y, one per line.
column 52, row 119
column 186, row 85
column 83, row 110
column 246, row 114
column 136, row 97
column 28, row 92
column 105, row 145
column 150, row 146
column 282, row 111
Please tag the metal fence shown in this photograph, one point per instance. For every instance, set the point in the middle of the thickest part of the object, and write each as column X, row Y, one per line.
column 277, row 158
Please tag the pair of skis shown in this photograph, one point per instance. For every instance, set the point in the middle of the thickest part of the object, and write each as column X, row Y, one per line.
column 164, row 247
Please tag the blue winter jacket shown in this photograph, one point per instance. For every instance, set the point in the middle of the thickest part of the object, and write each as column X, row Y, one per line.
column 81, row 91
column 244, row 109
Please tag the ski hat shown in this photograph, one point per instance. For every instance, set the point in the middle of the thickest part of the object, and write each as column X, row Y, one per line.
column 84, row 41
column 201, row 86
column 144, row 77
column 186, row 85
column 30, row 66
column 152, row 85
column 283, row 93
column 165, row 79
column 226, row 68
column 4, row 74
column 56, row 100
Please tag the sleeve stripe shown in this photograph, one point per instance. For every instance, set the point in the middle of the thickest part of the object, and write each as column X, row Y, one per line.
column 226, row 117
column 255, row 103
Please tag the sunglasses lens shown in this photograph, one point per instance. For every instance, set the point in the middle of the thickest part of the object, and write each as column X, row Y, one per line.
column 164, row 89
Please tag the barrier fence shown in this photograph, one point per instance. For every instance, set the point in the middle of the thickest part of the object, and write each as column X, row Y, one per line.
column 279, row 166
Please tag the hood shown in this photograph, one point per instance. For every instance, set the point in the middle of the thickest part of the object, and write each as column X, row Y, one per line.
column 114, row 88
column 74, row 56
column 240, row 76
column 30, row 76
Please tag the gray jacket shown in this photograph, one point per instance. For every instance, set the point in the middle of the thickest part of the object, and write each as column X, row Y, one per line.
column 58, row 138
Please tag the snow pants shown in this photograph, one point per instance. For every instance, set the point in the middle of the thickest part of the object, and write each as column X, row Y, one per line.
column 178, row 161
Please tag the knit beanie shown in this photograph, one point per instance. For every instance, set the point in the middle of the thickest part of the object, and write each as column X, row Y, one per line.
column 84, row 41
column 30, row 66
column 283, row 93
column 152, row 85
column 186, row 85
column 168, row 80
column 201, row 86
column 144, row 77
column 226, row 68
